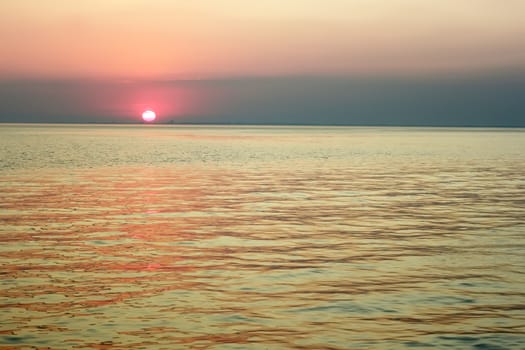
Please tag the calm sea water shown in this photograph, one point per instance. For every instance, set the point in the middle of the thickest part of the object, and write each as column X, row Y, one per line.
column 169, row 237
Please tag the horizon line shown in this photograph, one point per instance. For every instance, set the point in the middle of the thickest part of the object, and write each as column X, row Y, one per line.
column 499, row 126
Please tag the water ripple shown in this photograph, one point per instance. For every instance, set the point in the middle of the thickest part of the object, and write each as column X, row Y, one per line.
column 238, row 238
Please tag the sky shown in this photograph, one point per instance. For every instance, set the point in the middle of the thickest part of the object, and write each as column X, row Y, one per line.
column 349, row 62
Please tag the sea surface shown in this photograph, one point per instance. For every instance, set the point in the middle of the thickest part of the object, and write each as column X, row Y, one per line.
column 234, row 237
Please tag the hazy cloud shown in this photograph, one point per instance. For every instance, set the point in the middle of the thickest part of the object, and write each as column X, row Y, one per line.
column 488, row 100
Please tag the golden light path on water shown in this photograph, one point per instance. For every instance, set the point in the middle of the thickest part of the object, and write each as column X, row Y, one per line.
column 117, row 237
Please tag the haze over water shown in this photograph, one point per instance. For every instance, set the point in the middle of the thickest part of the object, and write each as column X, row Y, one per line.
column 208, row 237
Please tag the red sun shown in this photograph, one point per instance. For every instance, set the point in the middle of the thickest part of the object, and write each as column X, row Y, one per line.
column 148, row 116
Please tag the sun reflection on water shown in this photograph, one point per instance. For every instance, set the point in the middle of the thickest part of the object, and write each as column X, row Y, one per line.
column 324, row 251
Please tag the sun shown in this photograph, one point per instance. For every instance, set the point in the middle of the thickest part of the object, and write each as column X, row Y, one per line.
column 148, row 116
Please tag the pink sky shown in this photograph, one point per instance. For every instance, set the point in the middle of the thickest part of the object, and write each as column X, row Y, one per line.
column 197, row 39
column 366, row 62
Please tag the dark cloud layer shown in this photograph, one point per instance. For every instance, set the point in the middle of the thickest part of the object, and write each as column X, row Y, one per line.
column 488, row 100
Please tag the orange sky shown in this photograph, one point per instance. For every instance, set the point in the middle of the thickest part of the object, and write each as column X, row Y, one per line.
column 165, row 39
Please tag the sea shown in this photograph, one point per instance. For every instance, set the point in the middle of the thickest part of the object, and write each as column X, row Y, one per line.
column 261, row 237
